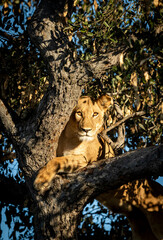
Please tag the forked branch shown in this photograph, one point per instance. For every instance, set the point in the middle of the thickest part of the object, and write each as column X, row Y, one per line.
column 121, row 128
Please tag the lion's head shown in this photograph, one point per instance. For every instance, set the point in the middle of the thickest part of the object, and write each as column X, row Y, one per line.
column 87, row 117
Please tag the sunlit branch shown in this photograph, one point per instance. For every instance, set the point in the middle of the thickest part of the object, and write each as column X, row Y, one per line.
column 121, row 130
column 138, row 164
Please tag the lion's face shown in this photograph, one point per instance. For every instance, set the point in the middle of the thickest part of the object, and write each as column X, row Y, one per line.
column 87, row 118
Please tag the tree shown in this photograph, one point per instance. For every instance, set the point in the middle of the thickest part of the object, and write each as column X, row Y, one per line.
column 120, row 42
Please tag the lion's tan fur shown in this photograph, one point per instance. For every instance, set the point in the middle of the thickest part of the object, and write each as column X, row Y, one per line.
column 87, row 115
column 78, row 145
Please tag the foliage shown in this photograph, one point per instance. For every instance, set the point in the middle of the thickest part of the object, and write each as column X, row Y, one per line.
column 22, row 84
column 136, row 83
column 95, row 27
column 23, row 74
column 95, row 216
column 16, row 221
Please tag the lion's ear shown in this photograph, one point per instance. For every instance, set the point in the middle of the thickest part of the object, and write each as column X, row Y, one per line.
column 105, row 101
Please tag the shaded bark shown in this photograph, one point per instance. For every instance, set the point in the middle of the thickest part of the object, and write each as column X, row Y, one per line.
column 35, row 140
column 13, row 192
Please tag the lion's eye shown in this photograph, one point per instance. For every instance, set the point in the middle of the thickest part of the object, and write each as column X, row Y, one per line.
column 95, row 114
column 79, row 113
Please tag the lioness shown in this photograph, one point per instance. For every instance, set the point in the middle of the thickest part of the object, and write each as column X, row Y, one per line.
column 79, row 145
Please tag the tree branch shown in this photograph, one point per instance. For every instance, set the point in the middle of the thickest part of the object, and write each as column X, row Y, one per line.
column 121, row 130
column 8, row 156
column 141, row 113
column 46, row 29
column 71, row 192
column 7, row 36
column 6, row 120
column 98, row 65
column 105, row 175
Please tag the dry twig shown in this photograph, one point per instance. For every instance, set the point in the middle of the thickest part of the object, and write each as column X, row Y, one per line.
column 121, row 128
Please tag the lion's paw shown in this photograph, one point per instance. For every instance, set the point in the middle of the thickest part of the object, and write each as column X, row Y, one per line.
column 41, row 187
column 42, row 182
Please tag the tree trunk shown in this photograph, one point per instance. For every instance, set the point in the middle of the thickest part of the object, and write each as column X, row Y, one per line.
column 57, row 212
column 56, row 216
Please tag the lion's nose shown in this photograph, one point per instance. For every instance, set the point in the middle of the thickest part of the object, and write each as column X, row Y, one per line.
column 86, row 129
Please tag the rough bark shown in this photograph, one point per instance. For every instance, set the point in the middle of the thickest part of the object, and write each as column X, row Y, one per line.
column 35, row 140
column 71, row 192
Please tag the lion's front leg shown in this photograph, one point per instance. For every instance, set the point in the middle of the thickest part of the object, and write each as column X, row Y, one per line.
column 66, row 164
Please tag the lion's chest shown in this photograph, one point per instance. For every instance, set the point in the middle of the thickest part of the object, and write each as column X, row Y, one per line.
column 88, row 149
column 76, row 151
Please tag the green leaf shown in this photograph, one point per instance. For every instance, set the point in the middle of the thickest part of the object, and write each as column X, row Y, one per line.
column 141, row 126
column 89, row 34
column 105, row 23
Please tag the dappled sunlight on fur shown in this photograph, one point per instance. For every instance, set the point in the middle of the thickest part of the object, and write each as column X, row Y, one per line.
column 141, row 201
